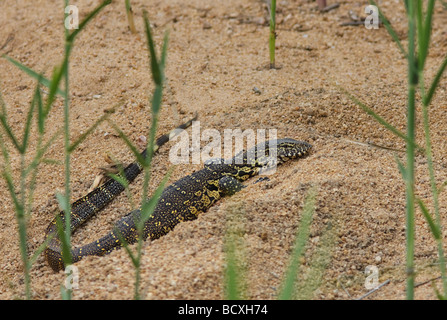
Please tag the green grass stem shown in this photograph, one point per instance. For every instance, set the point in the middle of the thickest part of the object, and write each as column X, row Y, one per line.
column 272, row 36
column 22, row 196
column 301, row 239
column 129, row 14
column 419, row 34
column 147, row 204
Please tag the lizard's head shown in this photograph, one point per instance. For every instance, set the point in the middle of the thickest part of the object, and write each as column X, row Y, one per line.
column 290, row 149
column 273, row 151
column 267, row 155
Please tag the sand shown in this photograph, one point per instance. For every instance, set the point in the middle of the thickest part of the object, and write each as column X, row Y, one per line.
column 217, row 55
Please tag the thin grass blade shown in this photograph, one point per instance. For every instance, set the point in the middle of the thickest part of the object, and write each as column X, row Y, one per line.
column 130, row 19
column 10, row 134
column 18, row 206
column 164, row 52
column 56, row 79
column 155, row 66
column 235, row 272
column 40, row 114
column 434, row 85
column 390, row 29
column 431, row 223
column 61, row 229
column 301, row 238
column 27, row 128
column 232, row 291
column 131, row 146
column 83, row 136
column 426, row 32
column 40, row 153
column 382, row 121
column 42, row 80
column 320, row 260
column 87, row 19
column 401, row 167
column 148, row 206
column 272, row 36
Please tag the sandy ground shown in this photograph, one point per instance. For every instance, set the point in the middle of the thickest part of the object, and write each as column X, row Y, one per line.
column 217, row 54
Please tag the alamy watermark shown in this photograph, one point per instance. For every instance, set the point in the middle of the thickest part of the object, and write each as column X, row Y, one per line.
column 72, row 19
column 372, row 279
column 72, row 278
column 372, row 18
column 188, row 149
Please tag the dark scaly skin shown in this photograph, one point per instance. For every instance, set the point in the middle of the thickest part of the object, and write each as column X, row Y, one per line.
column 191, row 195
column 86, row 207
